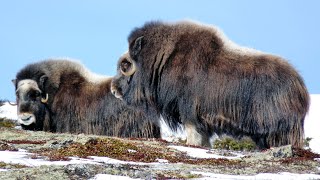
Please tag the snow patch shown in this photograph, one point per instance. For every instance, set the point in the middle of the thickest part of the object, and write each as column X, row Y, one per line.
column 312, row 123
column 8, row 111
column 170, row 136
column 203, row 153
column 24, row 158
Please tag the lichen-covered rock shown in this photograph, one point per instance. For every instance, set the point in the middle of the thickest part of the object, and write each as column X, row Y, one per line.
column 178, row 165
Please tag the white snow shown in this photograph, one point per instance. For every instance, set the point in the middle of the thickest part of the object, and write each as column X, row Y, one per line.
column 312, row 124
column 170, row 136
column 114, row 161
column 24, row 158
column 203, row 153
column 8, row 111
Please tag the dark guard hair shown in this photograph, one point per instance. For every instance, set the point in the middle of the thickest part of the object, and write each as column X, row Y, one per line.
column 191, row 73
column 63, row 96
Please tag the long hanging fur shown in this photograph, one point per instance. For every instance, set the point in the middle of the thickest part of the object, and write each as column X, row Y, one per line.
column 191, row 73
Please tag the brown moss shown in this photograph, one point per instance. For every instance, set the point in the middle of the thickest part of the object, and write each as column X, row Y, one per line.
column 25, row 142
column 176, row 175
column 298, row 152
column 113, row 148
column 300, row 155
column 57, row 157
column 7, row 147
column 126, row 151
column 4, row 165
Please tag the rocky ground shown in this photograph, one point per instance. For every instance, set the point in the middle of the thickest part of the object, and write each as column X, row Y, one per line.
column 171, row 163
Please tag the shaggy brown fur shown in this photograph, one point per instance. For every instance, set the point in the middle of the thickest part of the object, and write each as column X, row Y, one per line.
column 191, row 73
column 78, row 102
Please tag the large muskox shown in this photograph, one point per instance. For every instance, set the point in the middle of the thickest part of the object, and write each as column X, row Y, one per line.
column 192, row 74
column 63, row 96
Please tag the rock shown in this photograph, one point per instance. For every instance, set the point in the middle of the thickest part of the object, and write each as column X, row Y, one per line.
column 282, row 152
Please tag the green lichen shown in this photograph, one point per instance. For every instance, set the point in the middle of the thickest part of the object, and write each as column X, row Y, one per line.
column 232, row 144
column 306, row 142
column 6, row 123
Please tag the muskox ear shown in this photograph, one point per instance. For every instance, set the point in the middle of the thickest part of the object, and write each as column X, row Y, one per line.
column 42, row 81
column 136, row 46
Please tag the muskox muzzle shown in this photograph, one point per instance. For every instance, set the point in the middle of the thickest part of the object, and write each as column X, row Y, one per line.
column 26, row 119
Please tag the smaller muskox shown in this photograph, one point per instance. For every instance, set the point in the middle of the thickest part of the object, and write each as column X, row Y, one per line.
column 192, row 74
column 63, row 96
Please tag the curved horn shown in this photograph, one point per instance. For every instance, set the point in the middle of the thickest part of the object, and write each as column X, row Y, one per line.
column 12, row 104
column 46, row 99
column 132, row 69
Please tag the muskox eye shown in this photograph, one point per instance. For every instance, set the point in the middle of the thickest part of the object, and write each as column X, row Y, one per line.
column 127, row 67
column 34, row 94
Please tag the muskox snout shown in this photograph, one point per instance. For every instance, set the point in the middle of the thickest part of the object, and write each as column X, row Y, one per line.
column 116, row 91
column 26, row 118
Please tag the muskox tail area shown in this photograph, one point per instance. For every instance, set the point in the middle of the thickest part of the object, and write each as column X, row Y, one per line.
column 289, row 113
column 293, row 136
column 276, row 112
column 280, row 132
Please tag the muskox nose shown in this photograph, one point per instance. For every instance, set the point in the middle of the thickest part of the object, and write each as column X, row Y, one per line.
column 113, row 92
column 24, row 107
column 116, row 92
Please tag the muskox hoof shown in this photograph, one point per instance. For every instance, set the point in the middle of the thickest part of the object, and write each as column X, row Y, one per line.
column 195, row 138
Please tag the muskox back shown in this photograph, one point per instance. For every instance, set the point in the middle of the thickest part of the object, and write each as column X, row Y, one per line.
column 191, row 73
column 80, row 102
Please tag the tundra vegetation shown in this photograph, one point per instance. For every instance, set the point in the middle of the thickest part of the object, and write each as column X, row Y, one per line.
column 62, row 147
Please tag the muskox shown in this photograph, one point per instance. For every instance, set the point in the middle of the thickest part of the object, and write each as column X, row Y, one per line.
column 192, row 74
column 63, row 96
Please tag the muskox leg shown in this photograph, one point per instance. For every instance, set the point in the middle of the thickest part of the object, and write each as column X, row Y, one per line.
column 46, row 122
column 194, row 137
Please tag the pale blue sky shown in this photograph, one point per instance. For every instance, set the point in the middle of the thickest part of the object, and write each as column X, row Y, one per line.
column 95, row 32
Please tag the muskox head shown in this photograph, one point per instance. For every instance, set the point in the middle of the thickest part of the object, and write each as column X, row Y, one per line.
column 126, row 70
column 127, row 85
column 31, row 100
column 140, row 70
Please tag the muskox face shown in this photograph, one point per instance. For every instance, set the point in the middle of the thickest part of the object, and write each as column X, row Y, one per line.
column 125, row 73
column 133, row 82
column 31, row 104
column 129, row 85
